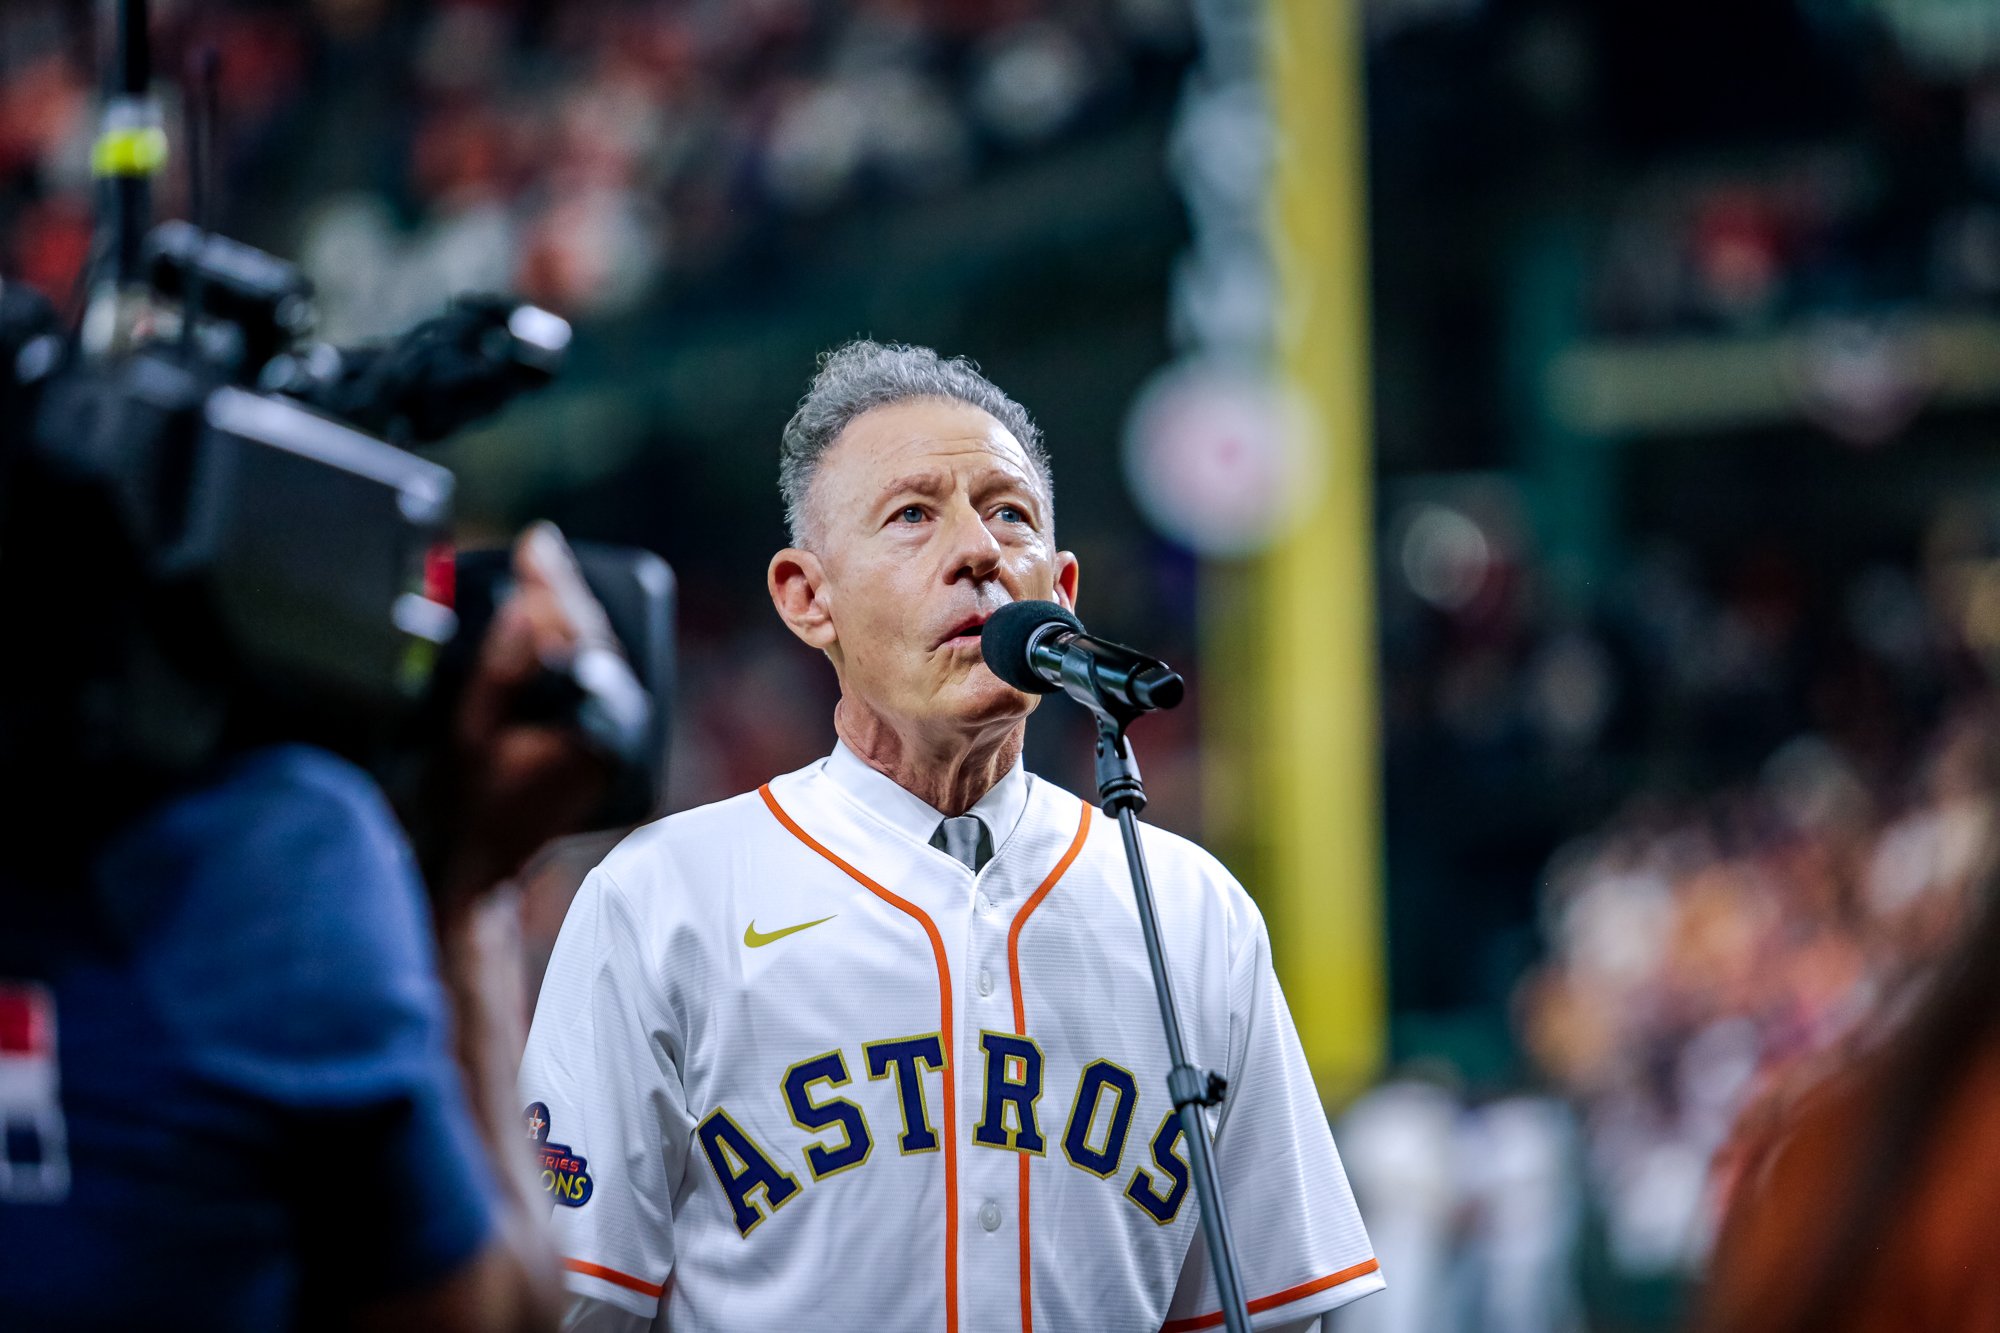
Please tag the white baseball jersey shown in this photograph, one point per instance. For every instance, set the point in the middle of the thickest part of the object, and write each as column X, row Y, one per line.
column 793, row 1066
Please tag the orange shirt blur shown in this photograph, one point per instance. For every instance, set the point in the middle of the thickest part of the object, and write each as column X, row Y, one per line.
column 1930, row 1264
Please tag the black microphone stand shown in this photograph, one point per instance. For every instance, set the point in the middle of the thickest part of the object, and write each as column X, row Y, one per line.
column 1123, row 794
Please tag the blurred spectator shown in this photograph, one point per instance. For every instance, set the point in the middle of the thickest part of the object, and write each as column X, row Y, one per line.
column 1400, row 1145
column 1867, row 1203
column 259, row 1004
column 1474, row 1209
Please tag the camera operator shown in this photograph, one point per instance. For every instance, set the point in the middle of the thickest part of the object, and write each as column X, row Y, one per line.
column 251, row 1075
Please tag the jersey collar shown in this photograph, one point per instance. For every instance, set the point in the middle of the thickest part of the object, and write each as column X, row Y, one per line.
column 879, row 793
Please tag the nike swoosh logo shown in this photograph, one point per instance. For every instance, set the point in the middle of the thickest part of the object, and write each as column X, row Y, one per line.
column 757, row 939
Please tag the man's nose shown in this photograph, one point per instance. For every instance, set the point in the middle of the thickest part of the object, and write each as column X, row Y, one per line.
column 975, row 552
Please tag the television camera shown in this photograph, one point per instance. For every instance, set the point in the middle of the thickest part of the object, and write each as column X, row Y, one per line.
column 216, row 532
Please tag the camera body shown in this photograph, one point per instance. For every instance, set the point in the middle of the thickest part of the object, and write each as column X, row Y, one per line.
column 218, row 538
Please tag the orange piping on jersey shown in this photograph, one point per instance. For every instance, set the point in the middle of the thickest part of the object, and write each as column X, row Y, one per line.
column 950, row 1131
column 1276, row 1299
column 1021, row 1029
column 612, row 1275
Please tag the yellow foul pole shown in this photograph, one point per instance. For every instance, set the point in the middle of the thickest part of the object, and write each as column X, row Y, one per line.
column 1319, row 802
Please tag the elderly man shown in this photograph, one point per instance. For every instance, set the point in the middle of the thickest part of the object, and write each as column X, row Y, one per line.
column 875, row 1046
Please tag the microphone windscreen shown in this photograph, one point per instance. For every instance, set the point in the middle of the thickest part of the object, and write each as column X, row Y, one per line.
column 1004, row 641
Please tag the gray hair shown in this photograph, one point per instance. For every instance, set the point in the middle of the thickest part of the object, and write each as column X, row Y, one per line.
column 864, row 374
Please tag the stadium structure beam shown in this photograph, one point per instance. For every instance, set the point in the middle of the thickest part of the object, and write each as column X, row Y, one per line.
column 1319, row 753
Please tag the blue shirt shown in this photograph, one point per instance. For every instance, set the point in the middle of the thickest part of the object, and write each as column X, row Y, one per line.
column 264, row 1124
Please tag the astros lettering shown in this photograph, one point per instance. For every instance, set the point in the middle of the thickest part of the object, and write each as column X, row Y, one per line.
column 1093, row 1139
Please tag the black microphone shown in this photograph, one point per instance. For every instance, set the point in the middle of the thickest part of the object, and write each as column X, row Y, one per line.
column 1040, row 648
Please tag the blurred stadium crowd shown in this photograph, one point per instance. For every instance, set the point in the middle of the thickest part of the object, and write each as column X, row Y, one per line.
column 1709, row 955
column 573, row 152
column 1805, row 770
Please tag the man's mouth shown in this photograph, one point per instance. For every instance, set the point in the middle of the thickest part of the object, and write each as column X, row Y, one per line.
column 966, row 631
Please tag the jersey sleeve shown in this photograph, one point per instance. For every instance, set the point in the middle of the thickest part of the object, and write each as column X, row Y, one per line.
column 603, row 1099
column 1300, row 1244
column 295, row 965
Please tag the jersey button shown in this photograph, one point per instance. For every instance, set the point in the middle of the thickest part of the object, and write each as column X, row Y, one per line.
column 985, row 981
column 989, row 1215
column 983, row 903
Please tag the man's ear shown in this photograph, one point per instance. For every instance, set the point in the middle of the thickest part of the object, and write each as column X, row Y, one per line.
column 797, row 581
column 1066, row 577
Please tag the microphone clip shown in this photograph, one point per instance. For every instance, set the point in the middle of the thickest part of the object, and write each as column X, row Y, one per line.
column 1119, row 785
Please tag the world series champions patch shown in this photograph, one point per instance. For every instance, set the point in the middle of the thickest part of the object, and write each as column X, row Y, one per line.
column 565, row 1176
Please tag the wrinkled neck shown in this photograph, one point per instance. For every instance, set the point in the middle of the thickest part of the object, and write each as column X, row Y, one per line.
column 948, row 772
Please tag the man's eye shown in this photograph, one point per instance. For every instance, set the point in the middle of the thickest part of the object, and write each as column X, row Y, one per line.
column 1012, row 514
column 911, row 514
